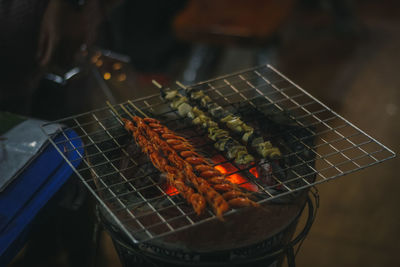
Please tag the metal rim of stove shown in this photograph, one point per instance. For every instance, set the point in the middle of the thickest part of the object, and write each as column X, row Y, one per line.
column 287, row 250
column 267, row 76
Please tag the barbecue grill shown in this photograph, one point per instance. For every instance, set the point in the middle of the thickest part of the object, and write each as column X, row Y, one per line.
column 146, row 214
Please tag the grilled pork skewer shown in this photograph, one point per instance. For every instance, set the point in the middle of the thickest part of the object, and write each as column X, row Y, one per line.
column 232, row 193
column 223, row 142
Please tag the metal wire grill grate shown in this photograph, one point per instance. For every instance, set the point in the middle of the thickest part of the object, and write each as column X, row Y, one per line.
column 318, row 145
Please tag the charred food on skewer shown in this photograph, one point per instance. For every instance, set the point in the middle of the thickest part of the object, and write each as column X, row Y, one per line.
column 263, row 147
column 223, row 141
column 204, row 168
column 181, row 166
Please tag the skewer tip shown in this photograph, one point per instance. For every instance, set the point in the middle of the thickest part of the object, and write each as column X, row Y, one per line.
column 156, row 84
column 137, row 109
column 180, row 85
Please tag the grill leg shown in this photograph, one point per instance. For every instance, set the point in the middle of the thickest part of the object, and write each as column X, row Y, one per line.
column 97, row 229
column 290, row 257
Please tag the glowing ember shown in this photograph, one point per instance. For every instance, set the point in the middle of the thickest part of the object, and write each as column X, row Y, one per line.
column 226, row 168
column 254, row 172
column 238, row 179
column 235, row 178
column 170, row 190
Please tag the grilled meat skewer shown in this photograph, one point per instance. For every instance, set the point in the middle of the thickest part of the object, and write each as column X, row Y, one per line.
column 224, row 143
column 204, row 168
column 174, row 176
column 263, row 147
column 175, row 166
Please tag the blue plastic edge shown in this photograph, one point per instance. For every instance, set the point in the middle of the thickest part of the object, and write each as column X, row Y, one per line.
column 23, row 198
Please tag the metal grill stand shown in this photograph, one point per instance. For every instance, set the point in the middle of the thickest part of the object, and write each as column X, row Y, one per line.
column 146, row 254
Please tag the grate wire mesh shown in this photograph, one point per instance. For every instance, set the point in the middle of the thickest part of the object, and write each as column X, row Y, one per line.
column 136, row 198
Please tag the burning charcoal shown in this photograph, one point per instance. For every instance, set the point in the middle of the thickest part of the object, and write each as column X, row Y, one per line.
column 264, row 170
column 278, row 171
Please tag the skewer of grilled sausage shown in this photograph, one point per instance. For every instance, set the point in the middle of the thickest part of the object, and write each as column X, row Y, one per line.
column 205, row 170
column 173, row 175
column 199, row 163
column 211, row 174
column 216, row 201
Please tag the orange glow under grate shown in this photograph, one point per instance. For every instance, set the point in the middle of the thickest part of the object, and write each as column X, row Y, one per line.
column 225, row 168
column 235, row 178
column 170, row 190
column 254, row 172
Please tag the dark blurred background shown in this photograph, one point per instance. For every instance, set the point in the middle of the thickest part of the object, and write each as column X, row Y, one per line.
column 64, row 57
